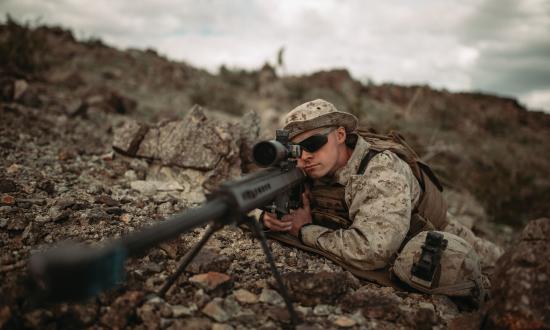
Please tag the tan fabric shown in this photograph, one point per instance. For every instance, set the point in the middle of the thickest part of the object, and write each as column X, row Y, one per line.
column 432, row 206
column 380, row 276
column 459, row 273
column 380, row 204
column 488, row 251
column 315, row 114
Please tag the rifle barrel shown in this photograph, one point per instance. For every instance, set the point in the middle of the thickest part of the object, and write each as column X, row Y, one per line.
column 175, row 225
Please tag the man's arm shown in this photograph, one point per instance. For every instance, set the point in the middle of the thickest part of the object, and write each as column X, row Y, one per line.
column 381, row 202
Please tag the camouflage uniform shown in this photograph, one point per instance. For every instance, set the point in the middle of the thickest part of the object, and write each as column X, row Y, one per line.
column 380, row 204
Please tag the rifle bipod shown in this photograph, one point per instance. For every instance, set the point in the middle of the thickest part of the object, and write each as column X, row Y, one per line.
column 212, row 228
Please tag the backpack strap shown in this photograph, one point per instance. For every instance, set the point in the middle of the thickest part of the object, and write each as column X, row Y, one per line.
column 365, row 161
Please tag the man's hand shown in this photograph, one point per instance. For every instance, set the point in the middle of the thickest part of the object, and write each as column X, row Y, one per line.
column 290, row 222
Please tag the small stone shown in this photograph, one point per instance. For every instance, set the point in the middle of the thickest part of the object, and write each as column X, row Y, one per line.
column 245, row 296
column 201, row 298
column 130, row 175
column 13, row 168
column 211, row 280
column 169, row 248
column 271, row 297
column 145, row 187
column 57, row 214
column 8, row 200
column 66, row 154
column 427, row 306
column 7, row 186
column 214, row 310
column 219, row 326
column 126, row 218
column 151, row 268
column 195, row 323
column 425, row 314
column 154, row 299
column 344, row 322
column 108, row 156
column 165, row 208
column 165, row 311
column 114, row 210
column 179, row 310
column 231, row 306
column 305, row 311
column 48, row 186
column 20, row 86
column 107, row 200
column 321, row 310
column 277, row 313
column 42, row 218
column 65, row 203
column 118, row 313
column 148, row 314
column 209, row 260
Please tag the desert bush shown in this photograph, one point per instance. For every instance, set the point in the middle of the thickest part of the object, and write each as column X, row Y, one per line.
column 21, row 48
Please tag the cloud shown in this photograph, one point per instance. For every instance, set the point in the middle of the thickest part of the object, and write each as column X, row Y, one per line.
column 514, row 49
column 498, row 46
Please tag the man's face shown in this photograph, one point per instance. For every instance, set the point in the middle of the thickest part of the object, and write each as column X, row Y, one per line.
column 324, row 161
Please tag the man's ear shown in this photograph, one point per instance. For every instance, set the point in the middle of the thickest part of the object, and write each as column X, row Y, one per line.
column 341, row 135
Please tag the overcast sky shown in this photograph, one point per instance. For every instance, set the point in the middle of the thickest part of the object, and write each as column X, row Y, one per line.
column 496, row 46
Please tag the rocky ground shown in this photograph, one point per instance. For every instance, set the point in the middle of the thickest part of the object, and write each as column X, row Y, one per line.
column 61, row 180
column 72, row 169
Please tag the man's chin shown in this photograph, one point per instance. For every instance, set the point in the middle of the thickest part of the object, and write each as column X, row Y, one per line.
column 314, row 174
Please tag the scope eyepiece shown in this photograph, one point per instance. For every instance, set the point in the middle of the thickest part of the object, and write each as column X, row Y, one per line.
column 272, row 152
column 269, row 153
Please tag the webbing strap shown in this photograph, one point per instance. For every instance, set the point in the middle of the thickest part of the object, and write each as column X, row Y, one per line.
column 365, row 161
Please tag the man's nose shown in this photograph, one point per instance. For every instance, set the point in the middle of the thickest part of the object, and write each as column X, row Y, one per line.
column 306, row 155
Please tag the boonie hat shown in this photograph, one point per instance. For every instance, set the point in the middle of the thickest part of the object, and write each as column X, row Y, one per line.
column 315, row 114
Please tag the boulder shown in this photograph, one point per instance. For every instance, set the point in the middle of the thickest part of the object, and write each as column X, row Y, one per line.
column 197, row 142
column 521, row 282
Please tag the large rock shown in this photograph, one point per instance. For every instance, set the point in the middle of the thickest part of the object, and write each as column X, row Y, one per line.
column 197, row 142
column 521, row 282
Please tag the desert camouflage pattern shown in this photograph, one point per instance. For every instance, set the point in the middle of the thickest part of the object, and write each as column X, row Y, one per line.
column 460, row 273
column 488, row 251
column 315, row 114
column 380, row 204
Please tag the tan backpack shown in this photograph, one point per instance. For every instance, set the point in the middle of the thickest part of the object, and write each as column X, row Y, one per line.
column 431, row 211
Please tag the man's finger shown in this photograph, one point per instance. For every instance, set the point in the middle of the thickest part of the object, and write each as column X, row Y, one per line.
column 276, row 225
column 287, row 218
column 305, row 200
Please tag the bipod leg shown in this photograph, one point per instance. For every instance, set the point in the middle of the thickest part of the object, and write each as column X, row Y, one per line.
column 188, row 257
column 259, row 233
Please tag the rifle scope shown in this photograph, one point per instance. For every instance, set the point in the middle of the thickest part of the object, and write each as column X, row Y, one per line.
column 273, row 152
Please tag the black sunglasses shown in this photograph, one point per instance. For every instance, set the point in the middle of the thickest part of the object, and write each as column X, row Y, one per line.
column 315, row 142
